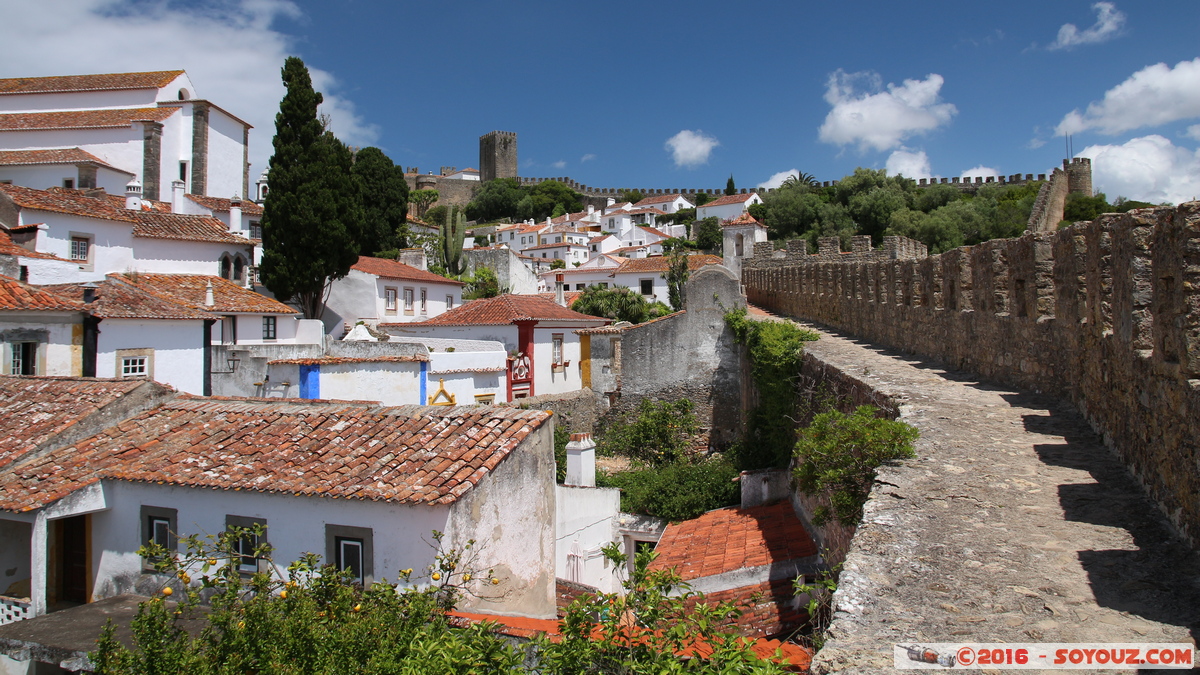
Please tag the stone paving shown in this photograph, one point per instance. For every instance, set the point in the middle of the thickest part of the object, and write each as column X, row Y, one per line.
column 1013, row 524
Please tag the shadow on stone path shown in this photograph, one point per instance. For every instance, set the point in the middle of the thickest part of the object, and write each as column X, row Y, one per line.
column 1013, row 524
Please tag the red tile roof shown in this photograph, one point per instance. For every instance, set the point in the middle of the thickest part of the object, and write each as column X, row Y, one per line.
column 654, row 231
column 731, row 539
column 394, row 269
column 107, row 81
column 503, row 310
column 744, row 219
column 190, row 290
column 82, row 119
column 768, row 609
column 658, row 199
column 660, row 263
column 558, row 245
column 16, row 296
column 53, row 156
column 116, row 298
column 338, row 360
column 249, row 208
column 35, row 409
column 150, row 224
column 729, row 199
column 637, row 211
column 408, row 454
column 569, row 297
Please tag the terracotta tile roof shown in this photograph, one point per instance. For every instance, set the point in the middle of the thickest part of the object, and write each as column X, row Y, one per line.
column 730, row 539
column 116, row 298
column 660, row 263
column 558, row 245
column 249, row 208
column 744, row 219
column 189, row 290
column 394, row 269
column 17, row 296
column 52, row 156
column 407, row 454
column 503, row 310
column 35, row 409
column 82, row 119
column 108, row 81
column 768, row 609
column 729, row 199
column 569, row 297
column 150, row 224
column 9, row 247
column 338, row 360
column 655, row 231
column 658, row 199
column 636, row 212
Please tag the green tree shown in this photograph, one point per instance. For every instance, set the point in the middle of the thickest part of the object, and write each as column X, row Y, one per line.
column 872, row 209
column 837, row 456
column 677, row 491
column 633, row 196
column 656, row 434
column 495, row 199
column 436, row 215
column 548, row 194
column 618, row 304
column 730, row 187
column 709, row 236
column 312, row 217
column 703, row 198
column 1085, row 207
column 677, row 276
column 484, row 284
column 558, row 264
column 421, row 200
column 384, row 195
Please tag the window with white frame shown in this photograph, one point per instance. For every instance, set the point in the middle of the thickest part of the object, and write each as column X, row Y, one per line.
column 556, row 342
column 351, row 549
column 408, row 300
column 251, row 535
column 389, row 299
column 270, row 326
column 80, row 248
column 449, row 302
column 135, row 366
column 424, row 301
column 159, row 527
column 24, row 358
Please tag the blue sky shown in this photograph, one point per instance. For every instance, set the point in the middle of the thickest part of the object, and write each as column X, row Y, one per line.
column 681, row 95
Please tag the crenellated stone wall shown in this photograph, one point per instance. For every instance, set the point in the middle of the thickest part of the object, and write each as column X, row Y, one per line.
column 1105, row 313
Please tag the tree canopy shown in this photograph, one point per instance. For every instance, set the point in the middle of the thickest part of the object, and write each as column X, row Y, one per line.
column 312, row 216
column 619, row 304
column 384, row 195
column 495, row 199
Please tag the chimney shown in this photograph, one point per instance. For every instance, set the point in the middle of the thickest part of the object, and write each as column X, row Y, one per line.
column 559, row 296
column 209, row 301
column 89, row 291
column 414, row 257
column 581, row 461
column 591, row 209
column 548, row 221
column 235, row 213
column 177, row 188
column 133, row 195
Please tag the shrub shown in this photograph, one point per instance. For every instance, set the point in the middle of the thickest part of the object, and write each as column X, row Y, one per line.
column 677, row 491
column 657, row 433
column 837, row 456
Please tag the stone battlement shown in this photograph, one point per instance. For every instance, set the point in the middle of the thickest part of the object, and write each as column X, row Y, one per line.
column 1105, row 313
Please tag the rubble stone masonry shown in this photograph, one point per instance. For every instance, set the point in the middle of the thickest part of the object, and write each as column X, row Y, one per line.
column 1105, row 313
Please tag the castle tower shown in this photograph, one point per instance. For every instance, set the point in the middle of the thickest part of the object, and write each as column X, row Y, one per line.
column 1079, row 175
column 498, row 155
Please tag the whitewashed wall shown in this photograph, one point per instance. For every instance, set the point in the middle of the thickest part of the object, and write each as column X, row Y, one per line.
column 226, row 158
column 61, row 353
column 587, row 516
column 178, row 350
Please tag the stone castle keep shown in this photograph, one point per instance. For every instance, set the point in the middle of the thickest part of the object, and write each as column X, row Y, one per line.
column 1105, row 314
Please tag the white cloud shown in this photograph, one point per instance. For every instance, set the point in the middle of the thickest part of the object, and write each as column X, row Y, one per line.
column 691, row 148
column 1148, row 169
column 1154, row 95
column 587, row 158
column 228, row 47
column 865, row 114
column 1193, row 132
column 560, row 164
column 980, row 170
column 1108, row 22
column 909, row 163
column 777, row 179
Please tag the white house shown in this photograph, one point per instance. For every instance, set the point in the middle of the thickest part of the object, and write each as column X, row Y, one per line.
column 728, row 207
column 361, row 483
column 738, row 238
column 40, row 333
column 665, row 203
column 597, row 270
column 147, row 125
column 381, row 290
column 648, row 276
column 105, row 233
column 570, row 253
column 538, row 334
column 605, row 243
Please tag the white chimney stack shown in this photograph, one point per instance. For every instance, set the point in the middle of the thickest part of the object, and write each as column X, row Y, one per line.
column 591, row 209
column 581, row 461
column 177, row 189
column 559, row 295
column 133, row 195
column 235, row 214
column 209, row 301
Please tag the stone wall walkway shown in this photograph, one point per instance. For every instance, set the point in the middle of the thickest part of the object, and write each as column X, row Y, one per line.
column 1013, row 524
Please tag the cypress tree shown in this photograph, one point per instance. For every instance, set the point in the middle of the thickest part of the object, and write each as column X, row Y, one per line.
column 312, row 218
column 730, row 188
column 384, row 196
